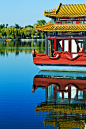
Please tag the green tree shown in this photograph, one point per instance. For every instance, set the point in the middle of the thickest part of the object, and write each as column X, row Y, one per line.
column 6, row 25
column 32, row 32
column 16, row 26
column 8, row 32
column 0, row 34
column 40, row 22
column 29, row 26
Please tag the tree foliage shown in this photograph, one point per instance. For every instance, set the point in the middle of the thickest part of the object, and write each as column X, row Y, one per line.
column 20, row 32
column 41, row 22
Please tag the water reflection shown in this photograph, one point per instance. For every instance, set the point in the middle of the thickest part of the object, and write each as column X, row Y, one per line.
column 65, row 99
column 17, row 47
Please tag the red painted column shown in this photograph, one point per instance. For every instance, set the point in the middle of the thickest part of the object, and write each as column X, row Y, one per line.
column 85, row 46
column 76, row 94
column 70, row 45
column 62, row 44
column 77, row 46
column 85, row 94
column 47, row 46
column 69, row 90
column 83, row 49
column 82, row 115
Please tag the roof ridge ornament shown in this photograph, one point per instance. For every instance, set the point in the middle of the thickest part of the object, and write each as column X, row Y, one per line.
column 58, row 8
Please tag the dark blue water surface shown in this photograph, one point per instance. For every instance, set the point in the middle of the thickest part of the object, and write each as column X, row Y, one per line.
column 17, row 102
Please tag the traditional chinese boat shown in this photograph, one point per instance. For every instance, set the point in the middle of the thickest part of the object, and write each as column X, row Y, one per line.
column 65, row 39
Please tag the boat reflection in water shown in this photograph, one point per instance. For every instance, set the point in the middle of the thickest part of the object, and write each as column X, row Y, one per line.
column 65, row 98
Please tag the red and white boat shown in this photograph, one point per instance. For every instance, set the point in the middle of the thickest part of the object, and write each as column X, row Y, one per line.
column 65, row 40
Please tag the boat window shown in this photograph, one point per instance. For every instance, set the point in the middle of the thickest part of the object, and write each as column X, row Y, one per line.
column 80, row 22
column 69, row 22
column 58, row 22
column 73, row 92
column 58, row 94
column 80, row 94
column 62, row 22
column 50, row 47
column 80, row 45
column 74, row 45
column 59, row 45
column 84, row 22
column 74, row 22
column 50, row 91
column 66, row 93
column 66, row 45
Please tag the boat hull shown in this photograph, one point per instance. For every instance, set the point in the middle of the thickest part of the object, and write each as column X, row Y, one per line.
column 51, row 67
column 61, row 61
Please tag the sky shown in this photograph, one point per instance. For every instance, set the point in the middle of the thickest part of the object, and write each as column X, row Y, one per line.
column 27, row 12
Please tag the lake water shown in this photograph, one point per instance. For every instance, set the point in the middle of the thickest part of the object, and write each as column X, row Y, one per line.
column 29, row 98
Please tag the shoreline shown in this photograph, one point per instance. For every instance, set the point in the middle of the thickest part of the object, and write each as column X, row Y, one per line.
column 30, row 40
column 22, row 40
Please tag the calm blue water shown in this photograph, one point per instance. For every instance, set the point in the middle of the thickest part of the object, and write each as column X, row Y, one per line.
column 18, row 103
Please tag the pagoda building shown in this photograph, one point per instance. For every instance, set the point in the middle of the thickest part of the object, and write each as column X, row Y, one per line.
column 67, row 32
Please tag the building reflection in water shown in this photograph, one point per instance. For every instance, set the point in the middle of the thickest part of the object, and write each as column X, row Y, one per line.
column 65, row 98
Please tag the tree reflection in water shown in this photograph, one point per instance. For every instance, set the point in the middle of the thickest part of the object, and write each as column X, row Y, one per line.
column 17, row 47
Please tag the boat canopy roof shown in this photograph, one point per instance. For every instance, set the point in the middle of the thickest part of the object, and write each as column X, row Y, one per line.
column 51, row 27
column 67, row 11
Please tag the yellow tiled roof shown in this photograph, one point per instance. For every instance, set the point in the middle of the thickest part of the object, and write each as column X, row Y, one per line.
column 62, row 28
column 73, row 10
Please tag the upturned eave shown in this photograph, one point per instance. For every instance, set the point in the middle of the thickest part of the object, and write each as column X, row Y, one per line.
column 52, row 27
